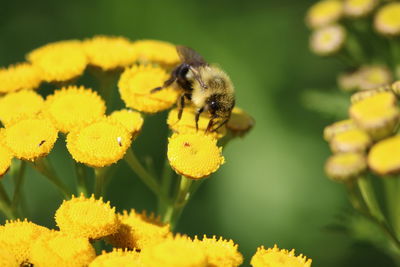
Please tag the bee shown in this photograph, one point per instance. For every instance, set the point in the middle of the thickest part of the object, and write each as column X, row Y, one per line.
column 208, row 87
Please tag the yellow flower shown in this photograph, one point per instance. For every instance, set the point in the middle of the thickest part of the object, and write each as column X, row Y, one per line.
column 360, row 95
column 384, row 156
column 115, row 258
column 7, row 257
column 148, row 51
column 194, row 155
column 59, row 61
column 354, row 140
column 20, row 105
column 174, row 252
column 187, row 124
column 136, row 83
column 131, row 120
column 99, row 144
column 387, row 19
column 240, row 122
column 278, row 258
column 18, row 236
column 87, row 217
column 109, row 52
column 73, row 107
column 338, row 127
column 377, row 115
column 374, row 76
column 344, row 166
column 31, row 138
column 18, row 77
column 5, row 159
column 327, row 40
column 324, row 12
column 138, row 231
column 349, row 81
column 359, row 8
column 60, row 249
column 220, row 252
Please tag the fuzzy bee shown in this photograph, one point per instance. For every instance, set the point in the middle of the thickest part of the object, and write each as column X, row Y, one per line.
column 208, row 87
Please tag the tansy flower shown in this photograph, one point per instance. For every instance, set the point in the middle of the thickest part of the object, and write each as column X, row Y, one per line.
column 18, row 236
column 194, row 155
column 360, row 95
column 73, row 107
column 220, row 252
column 5, row 159
column 31, row 138
column 384, row 157
column 359, row 8
column 138, row 231
column 187, row 123
column 18, row 77
column 60, row 249
column 7, row 257
column 354, row 140
column 278, row 258
column 59, row 61
column 109, row 52
column 327, row 40
column 344, row 166
column 20, row 105
column 99, row 144
column 349, row 81
column 149, row 51
column 324, row 12
column 87, row 217
column 387, row 19
column 135, row 87
column 240, row 122
column 174, row 252
column 378, row 115
column 115, row 258
column 131, row 120
column 374, row 76
column 338, row 127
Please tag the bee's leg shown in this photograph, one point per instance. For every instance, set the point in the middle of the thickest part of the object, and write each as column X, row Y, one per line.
column 210, row 125
column 181, row 105
column 198, row 113
column 167, row 83
column 220, row 125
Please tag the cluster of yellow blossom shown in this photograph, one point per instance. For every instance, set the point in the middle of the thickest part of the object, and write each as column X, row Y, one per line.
column 138, row 240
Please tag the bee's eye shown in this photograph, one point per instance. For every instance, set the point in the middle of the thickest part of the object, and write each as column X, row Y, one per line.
column 213, row 105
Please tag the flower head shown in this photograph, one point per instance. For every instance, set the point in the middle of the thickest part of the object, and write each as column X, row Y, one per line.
column 135, row 87
column 278, row 258
column 374, row 76
column 31, row 138
column 59, row 61
column 240, row 122
column 99, row 144
column 87, row 217
column 109, row 52
column 327, row 40
column 384, row 156
column 60, row 249
column 338, row 127
column 344, row 166
column 131, row 120
column 117, row 257
column 354, row 140
column 20, row 105
column 387, row 19
column 138, row 231
column 349, row 81
column 194, row 155
column 7, row 257
column 220, row 252
column 153, row 51
column 359, row 8
column 5, row 159
column 18, row 77
column 73, row 106
column 324, row 12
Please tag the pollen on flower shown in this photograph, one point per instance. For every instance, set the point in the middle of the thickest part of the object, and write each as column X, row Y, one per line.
column 220, row 252
column 153, row 51
column 5, row 158
column 344, row 166
column 109, row 52
column 135, row 87
column 187, row 123
column 359, row 8
column 327, row 40
column 117, row 257
column 387, row 19
column 31, row 138
column 18, row 236
column 59, row 61
column 87, row 217
column 240, row 122
column 278, row 258
column 324, row 12
column 61, row 250
column 20, row 105
column 138, row 231
column 99, row 144
column 18, row 77
column 194, row 155
column 131, row 120
column 354, row 140
column 73, row 107
column 384, row 156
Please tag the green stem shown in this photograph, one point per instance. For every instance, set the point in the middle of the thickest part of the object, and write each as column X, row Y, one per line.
column 5, row 204
column 100, row 181
column 166, row 180
column 180, row 202
column 19, row 181
column 392, row 190
column 81, row 184
column 395, row 56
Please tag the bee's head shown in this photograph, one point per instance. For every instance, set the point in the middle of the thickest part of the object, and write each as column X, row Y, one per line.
column 220, row 105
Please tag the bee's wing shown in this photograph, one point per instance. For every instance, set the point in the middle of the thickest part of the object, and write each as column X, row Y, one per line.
column 189, row 56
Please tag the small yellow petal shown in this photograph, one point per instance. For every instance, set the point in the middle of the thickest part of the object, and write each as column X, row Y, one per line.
column 278, row 258
column 344, row 166
column 374, row 76
column 115, row 258
column 131, row 120
column 384, row 156
column 324, row 12
column 359, row 8
column 354, row 140
column 153, row 51
column 18, row 77
column 387, row 19
column 338, row 127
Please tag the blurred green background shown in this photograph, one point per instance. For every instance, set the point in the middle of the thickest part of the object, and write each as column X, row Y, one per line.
column 272, row 190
